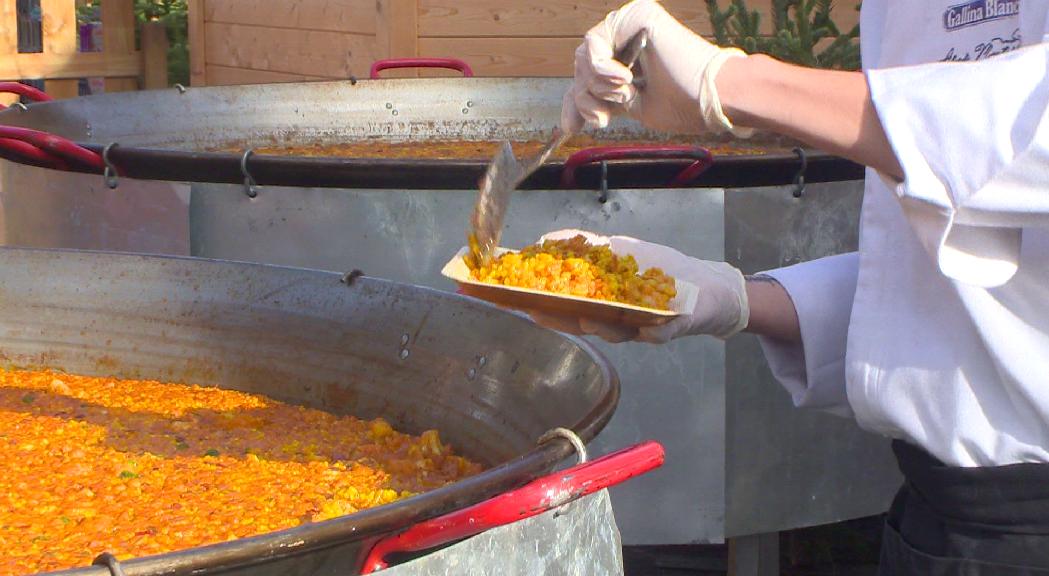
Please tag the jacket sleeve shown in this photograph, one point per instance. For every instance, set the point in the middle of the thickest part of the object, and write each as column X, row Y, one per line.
column 973, row 141
column 814, row 371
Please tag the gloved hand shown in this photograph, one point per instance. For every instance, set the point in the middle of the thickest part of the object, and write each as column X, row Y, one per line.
column 679, row 67
column 721, row 308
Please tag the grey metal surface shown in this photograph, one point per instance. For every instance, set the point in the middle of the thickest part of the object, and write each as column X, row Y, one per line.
column 740, row 458
column 308, row 113
column 673, row 394
column 737, row 463
column 580, row 540
column 50, row 209
column 491, row 382
column 754, row 555
column 788, row 467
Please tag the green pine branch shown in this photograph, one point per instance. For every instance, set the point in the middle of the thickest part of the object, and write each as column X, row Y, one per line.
column 803, row 32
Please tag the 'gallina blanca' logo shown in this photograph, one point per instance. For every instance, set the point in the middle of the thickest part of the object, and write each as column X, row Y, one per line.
column 978, row 12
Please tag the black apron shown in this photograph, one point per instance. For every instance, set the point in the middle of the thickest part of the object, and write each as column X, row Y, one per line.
column 966, row 521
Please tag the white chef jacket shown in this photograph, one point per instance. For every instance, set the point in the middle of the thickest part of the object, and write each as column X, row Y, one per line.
column 937, row 331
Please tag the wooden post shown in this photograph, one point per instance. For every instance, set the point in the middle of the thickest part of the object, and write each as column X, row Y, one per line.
column 397, row 33
column 198, row 73
column 8, row 41
column 118, row 38
column 8, row 29
column 154, row 56
column 59, row 31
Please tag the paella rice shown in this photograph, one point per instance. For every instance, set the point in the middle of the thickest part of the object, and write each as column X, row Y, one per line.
column 142, row 467
column 436, row 149
column 577, row 268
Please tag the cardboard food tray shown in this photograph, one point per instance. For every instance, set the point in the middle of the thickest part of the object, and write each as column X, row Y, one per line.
column 565, row 305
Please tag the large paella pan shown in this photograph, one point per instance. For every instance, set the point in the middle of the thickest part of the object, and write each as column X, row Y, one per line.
column 419, row 134
column 490, row 382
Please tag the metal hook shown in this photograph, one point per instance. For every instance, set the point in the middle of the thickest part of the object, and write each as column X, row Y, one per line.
column 109, row 561
column 21, row 106
column 181, row 89
column 580, row 450
column 111, row 173
column 603, row 197
column 799, row 176
column 350, row 277
column 572, row 438
column 249, row 181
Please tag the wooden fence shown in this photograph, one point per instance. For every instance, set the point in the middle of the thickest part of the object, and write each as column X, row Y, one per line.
column 254, row 41
column 60, row 63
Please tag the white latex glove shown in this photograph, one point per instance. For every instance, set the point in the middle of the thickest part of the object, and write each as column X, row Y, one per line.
column 721, row 308
column 678, row 65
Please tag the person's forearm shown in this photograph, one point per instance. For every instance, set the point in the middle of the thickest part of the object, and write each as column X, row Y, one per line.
column 772, row 312
column 829, row 110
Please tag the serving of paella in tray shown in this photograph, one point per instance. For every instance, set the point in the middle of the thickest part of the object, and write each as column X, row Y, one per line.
column 575, row 278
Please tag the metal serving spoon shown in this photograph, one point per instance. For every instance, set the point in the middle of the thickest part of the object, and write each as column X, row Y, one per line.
column 505, row 173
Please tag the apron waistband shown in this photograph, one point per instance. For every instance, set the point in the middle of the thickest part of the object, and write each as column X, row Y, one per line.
column 1010, row 499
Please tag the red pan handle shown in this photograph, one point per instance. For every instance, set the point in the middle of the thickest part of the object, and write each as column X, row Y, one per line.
column 26, row 153
column 19, row 150
column 703, row 160
column 532, row 499
column 449, row 63
column 23, row 90
column 54, row 150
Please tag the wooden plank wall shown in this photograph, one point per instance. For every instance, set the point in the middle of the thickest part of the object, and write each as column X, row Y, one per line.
column 61, row 65
column 256, row 41
column 248, row 41
column 514, row 38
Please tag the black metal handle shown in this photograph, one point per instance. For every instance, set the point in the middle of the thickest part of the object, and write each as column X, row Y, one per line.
column 629, row 53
